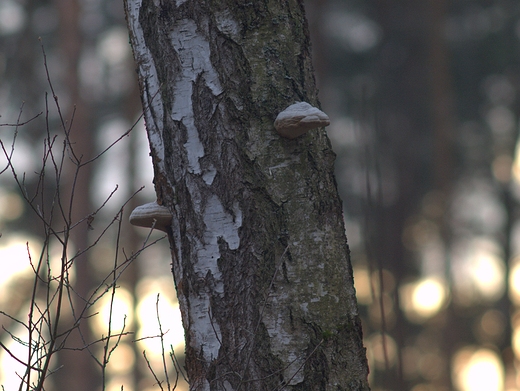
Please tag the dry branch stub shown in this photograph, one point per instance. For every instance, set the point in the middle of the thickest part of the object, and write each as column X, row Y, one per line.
column 151, row 215
column 298, row 119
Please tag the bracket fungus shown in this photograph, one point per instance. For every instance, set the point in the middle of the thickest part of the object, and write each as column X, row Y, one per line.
column 298, row 119
column 151, row 215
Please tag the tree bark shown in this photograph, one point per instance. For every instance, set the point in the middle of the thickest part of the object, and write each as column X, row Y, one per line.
column 259, row 254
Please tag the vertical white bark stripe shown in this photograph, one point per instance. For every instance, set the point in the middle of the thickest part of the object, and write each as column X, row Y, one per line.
column 207, row 332
column 194, row 54
column 219, row 223
column 154, row 111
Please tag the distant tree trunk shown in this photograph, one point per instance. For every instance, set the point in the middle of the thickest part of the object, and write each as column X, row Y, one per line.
column 79, row 371
column 259, row 253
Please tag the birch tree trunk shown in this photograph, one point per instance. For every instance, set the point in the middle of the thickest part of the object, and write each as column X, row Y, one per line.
column 259, row 254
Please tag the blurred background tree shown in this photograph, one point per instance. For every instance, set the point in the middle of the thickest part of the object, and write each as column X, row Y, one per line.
column 424, row 104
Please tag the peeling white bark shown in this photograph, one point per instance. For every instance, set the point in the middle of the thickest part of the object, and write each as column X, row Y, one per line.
column 219, row 224
column 153, row 107
column 193, row 52
column 209, row 175
column 207, row 335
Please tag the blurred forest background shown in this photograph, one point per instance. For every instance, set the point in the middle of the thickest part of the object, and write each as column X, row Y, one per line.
column 423, row 98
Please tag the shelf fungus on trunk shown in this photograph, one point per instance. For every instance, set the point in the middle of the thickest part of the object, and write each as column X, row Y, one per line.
column 151, row 215
column 298, row 119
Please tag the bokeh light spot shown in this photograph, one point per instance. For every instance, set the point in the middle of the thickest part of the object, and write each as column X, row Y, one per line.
column 116, row 311
column 15, row 252
column 362, row 285
column 170, row 318
column 423, row 299
column 477, row 369
column 514, row 282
